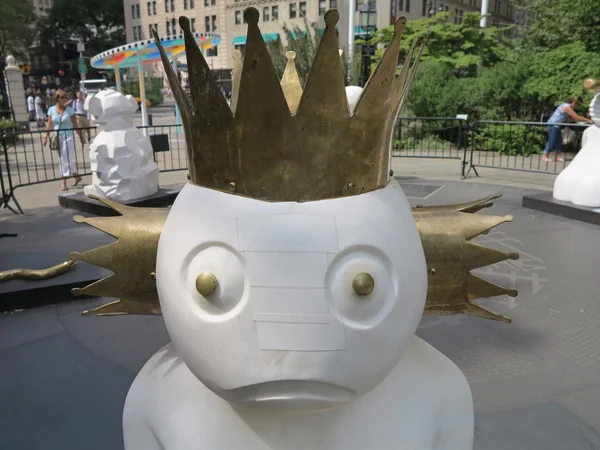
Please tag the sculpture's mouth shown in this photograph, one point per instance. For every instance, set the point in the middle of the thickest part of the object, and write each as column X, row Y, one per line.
column 291, row 395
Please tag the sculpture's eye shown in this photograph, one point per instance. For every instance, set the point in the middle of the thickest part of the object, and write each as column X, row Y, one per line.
column 216, row 278
column 362, row 286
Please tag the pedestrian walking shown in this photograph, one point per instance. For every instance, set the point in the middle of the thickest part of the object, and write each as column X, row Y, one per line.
column 81, row 114
column 40, row 114
column 61, row 119
column 30, row 105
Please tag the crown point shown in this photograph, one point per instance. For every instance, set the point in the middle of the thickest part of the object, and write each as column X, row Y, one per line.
column 513, row 255
column 332, row 17
column 184, row 23
column 74, row 256
column 509, row 218
column 290, row 55
column 78, row 219
column 76, row 292
column 251, row 16
column 512, row 293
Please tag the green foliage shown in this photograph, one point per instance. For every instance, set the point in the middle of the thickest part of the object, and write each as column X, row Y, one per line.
column 8, row 126
column 510, row 139
column 15, row 15
column 554, row 23
column 99, row 24
column 154, row 91
column 462, row 46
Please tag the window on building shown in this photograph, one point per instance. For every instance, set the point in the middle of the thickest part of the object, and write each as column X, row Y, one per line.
column 140, row 34
column 192, row 4
column 150, row 30
column 214, row 51
column 213, row 20
column 302, row 9
column 213, row 2
column 400, row 5
column 407, row 6
column 322, row 7
column 185, row 4
column 497, row 6
column 207, row 24
column 424, row 9
column 154, row 7
column 168, row 28
column 137, row 10
column 458, row 16
column 206, row 2
column 172, row 5
column 238, row 17
column 292, row 10
column 166, row 5
column 274, row 12
column 149, row 8
column 193, row 25
column 174, row 26
column 132, row 11
column 135, row 34
column 332, row 4
column 265, row 16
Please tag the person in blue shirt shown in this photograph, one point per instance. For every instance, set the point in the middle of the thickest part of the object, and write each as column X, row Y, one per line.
column 560, row 116
column 61, row 118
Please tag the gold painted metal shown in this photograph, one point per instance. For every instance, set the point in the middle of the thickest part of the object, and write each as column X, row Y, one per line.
column 592, row 85
column 132, row 258
column 36, row 274
column 363, row 284
column 446, row 232
column 269, row 152
column 206, row 284
column 290, row 83
column 236, row 75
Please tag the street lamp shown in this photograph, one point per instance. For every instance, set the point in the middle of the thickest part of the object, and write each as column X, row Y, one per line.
column 368, row 21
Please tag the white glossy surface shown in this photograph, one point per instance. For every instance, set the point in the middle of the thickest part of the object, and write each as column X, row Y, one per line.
column 579, row 182
column 121, row 155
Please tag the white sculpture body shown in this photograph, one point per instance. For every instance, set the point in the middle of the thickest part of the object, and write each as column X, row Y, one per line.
column 121, row 155
column 579, row 183
column 285, row 354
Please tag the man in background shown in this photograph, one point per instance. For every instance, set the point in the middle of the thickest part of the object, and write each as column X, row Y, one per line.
column 81, row 115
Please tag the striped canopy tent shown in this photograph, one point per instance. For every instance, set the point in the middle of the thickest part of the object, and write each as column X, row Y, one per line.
column 142, row 52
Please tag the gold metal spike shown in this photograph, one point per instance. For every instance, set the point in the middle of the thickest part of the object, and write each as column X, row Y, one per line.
column 36, row 274
column 237, row 76
column 132, row 258
column 445, row 233
column 270, row 154
column 290, row 83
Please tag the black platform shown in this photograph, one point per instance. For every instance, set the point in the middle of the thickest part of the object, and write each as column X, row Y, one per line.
column 546, row 203
column 81, row 202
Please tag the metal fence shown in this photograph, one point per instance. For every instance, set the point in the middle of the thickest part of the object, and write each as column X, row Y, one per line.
column 519, row 146
column 492, row 144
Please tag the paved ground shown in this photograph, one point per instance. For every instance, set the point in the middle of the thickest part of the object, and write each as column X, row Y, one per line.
column 536, row 382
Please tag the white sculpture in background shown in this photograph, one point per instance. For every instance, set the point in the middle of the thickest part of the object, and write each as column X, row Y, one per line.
column 121, row 155
column 579, row 182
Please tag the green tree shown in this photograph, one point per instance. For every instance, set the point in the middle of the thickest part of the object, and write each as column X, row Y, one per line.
column 464, row 46
column 554, row 23
column 17, row 18
column 99, row 24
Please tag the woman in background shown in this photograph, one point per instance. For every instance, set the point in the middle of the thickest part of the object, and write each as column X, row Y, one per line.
column 561, row 115
column 61, row 116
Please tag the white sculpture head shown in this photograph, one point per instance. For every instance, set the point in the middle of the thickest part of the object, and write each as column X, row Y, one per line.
column 11, row 62
column 112, row 109
column 293, row 322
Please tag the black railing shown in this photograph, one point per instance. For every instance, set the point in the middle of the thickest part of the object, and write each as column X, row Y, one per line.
column 492, row 144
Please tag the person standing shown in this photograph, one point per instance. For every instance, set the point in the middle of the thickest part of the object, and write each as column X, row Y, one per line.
column 61, row 118
column 81, row 114
column 40, row 114
column 30, row 105
column 561, row 115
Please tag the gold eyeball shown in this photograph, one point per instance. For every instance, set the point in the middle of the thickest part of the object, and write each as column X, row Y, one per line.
column 363, row 283
column 206, row 284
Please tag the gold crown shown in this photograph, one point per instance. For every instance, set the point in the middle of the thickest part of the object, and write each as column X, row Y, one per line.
column 262, row 147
